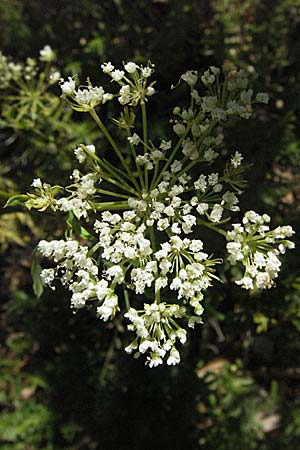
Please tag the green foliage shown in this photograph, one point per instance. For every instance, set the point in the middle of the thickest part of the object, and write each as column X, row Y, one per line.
column 234, row 412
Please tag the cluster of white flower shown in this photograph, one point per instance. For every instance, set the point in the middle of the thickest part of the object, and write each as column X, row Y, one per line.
column 232, row 100
column 78, row 201
column 189, row 269
column 8, row 71
column 79, row 272
column 74, row 267
column 68, row 87
column 253, row 244
column 92, row 96
column 80, row 194
column 47, row 54
column 85, row 98
column 157, row 332
column 168, row 205
column 180, row 264
column 133, row 81
column 121, row 238
column 31, row 75
column 164, row 206
column 80, row 152
column 151, row 248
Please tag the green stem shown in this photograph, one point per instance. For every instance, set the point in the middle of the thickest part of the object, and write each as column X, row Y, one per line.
column 145, row 139
column 111, row 193
column 173, row 154
column 112, row 142
column 107, row 360
column 110, row 206
column 126, row 298
column 94, row 249
column 135, row 160
column 113, row 171
column 152, row 238
column 120, row 185
column 116, row 173
column 184, row 170
column 157, row 295
column 212, row 227
column 120, row 174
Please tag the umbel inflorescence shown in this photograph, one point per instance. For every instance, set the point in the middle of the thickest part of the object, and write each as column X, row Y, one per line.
column 139, row 251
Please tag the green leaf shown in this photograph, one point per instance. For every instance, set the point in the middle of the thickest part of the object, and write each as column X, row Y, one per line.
column 69, row 224
column 15, row 200
column 36, row 269
column 74, row 225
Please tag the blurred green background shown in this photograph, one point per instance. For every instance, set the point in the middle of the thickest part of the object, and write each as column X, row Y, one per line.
column 65, row 381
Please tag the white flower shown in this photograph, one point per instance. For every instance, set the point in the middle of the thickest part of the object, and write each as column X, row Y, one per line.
column 131, row 67
column 262, row 97
column 235, row 251
column 146, row 72
column 246, row 96
column 169, row 211
column 216, row 213
column 129, row 349
column 78, row 206
column 176, row 228
column 115, row 272
column 246, row 283
column 117, row 75
column 236, row 160
column 134, row 139
column 190, row 77
column 259, row 260
column 213, row 179
column 165, row 145
column 68, row 87
column 209, row 103
column 102, row 289
column 196, row 245
column 174, row 357
column 90, row 96
column 145, row 345
column 125, row 94
column 263, row 280
column 210, row 155
column 47, row 276
column 208, row 78
column 37, row 183
column 107, row 97
column 230, row 200
column 189, row 149
column 80, row 154
column 202, row 208
column 179, row 129
column 155, row 360
column 108, row 309
column 54, row 76
column 47, row 54
column 150, row 91
column 107, row 67
column 181, row 334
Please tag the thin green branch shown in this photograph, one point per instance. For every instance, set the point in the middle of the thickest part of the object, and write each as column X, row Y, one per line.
column 112, row 143
column 212, row 227
column 110, row 206
column 145, row 139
